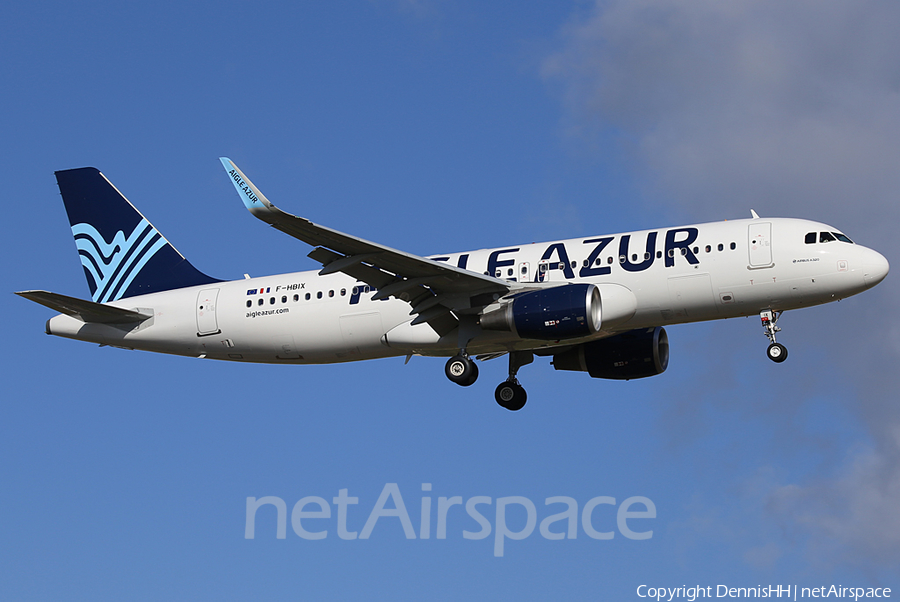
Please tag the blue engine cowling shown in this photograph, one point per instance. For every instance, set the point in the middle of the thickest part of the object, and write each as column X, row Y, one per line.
column 634, row 354
column 562, row 312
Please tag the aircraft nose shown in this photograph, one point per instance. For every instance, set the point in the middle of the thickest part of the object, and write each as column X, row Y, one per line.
column 875, row 268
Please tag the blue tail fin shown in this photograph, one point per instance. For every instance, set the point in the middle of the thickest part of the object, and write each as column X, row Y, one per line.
column 122, row 253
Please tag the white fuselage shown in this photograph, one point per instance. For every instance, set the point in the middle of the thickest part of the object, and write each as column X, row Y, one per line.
column 648, row 278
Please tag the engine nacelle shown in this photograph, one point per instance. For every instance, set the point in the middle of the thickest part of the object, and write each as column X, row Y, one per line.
column 634, row 354
column 562, row 312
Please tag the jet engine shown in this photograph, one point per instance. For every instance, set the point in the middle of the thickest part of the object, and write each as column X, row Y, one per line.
column 633, row 354
column 562, row 312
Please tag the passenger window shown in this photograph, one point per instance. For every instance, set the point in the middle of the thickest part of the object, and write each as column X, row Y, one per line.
column 524, row 270
column 260, row 302
column 646, row 256
column 307, row 296
column 249, row 303
column 825, row 237
column 296, row 298
column 721, row 248
column 271, row 300
column 708, row 248
column 810, row 238
column 343, row 292
column 733, row 246
column 609, row 260
column 696, row 250
column 331, row 293
column 634, row 257
column 671, row 252
column 622, row 259
column 284, row 299
column 658, row 254
column 509, row 272
column 319, row 295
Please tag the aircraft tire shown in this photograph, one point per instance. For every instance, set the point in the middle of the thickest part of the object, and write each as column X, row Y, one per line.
column 474, row 375
column 461, row 370
column 777, row 352
column 511, row 395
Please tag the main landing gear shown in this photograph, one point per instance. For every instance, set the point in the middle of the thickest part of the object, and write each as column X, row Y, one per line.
column 461, row 369
column 509, row 394
column 776, row 351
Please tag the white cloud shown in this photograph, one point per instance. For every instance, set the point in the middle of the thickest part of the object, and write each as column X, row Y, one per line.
column 853, row 518
column 792, row 109
column 785, row 106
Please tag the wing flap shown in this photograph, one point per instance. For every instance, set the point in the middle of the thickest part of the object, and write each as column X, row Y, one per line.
column 416, row 294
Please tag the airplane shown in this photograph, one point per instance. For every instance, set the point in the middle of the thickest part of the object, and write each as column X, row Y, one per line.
column 598, row 304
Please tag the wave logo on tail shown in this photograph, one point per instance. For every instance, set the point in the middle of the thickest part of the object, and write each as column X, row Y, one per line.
column 114, row 265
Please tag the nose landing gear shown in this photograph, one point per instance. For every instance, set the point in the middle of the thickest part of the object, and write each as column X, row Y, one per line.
column 776, row 351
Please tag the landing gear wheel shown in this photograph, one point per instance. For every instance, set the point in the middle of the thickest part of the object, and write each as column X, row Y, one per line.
column 461, row 370
column 777, row 352
column 510, row 395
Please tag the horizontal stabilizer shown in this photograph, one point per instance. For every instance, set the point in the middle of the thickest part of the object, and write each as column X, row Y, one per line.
column 86, row 311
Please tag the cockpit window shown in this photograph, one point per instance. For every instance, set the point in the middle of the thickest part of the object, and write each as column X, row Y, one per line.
column 826, row 237
column 842, row 237
column 810, row 238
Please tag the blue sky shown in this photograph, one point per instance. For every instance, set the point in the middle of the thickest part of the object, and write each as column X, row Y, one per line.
column 436, row 127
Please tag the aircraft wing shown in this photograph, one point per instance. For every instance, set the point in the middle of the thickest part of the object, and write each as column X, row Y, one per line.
column 86, row 311
column 432, row 288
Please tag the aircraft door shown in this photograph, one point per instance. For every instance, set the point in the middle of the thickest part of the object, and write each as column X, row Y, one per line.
column 760, row 244
column 524, row 274
column 551, row 271
column 692, row 297
column 206, row 312
column 361, row 331
column 285, row 348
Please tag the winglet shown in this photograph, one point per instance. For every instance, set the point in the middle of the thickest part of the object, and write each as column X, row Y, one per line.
column 253, row 199
column 754, row 214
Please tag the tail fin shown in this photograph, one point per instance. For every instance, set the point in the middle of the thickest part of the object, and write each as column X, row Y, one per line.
column 122, row 253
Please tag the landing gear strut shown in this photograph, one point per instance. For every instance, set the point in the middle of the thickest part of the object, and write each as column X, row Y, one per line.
column 510, row 394
column 461, row 370
column 776, row 351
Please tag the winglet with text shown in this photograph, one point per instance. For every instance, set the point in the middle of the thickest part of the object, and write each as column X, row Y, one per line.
column 253, row 199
